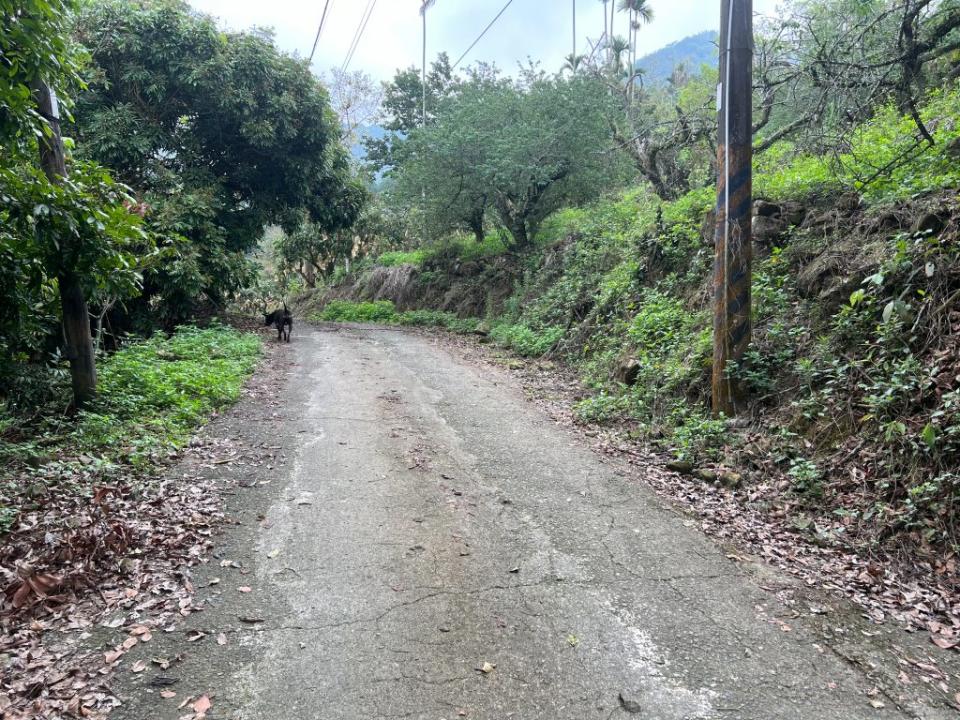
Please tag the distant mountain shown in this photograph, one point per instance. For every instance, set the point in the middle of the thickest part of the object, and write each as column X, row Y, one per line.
column 692, row 51
column 365, row 131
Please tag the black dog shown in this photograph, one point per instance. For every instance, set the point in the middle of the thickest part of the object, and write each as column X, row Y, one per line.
column 282, row 320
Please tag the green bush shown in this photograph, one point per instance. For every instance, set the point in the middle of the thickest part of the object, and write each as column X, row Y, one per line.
column 439, row 318
column 525, row 341
column 695, row 437
column 152, row 394
column 401, row 257
column 382, row 311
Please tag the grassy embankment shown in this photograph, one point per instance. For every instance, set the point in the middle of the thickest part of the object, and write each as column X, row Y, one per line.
column 854, row 365
column 152, row 395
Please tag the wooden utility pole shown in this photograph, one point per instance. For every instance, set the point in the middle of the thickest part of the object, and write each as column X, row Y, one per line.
column 732, row 238
column 73, row 304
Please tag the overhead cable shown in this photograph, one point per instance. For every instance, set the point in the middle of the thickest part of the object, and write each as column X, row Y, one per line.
column 326, row 6
column 364, row 19
column 480, row 37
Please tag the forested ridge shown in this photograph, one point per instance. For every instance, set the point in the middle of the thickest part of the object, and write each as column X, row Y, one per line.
column 563, row 218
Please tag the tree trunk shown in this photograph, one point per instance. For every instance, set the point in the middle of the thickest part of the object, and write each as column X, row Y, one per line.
column 476, row 226
column 73, row 304
column 309, row 274
column 76, row 333
column 518, row 228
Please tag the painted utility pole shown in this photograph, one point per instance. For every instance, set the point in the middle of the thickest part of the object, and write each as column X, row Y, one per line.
column 73, row 304
column 732, row 238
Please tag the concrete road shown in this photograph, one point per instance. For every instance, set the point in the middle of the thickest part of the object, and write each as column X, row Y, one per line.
column 434, row 547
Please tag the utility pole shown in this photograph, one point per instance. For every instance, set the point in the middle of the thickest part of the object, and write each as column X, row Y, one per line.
column 73, row 304
column 732, row 237
column 424, row 5
column 574, row 56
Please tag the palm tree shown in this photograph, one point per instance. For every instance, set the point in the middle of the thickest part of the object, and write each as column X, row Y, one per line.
column 618, row 46
column 640, row 12
column 572, row 63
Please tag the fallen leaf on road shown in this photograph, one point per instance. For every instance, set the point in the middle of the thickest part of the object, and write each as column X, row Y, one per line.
column 943, row 642
column 273, row 553
column 195, row 635
column 201, row 705
column 167, row 694
column 245, row 589
column 487, row 668
column 221, row 639
column 139, row 666
column 250, row 619
column 112, row 656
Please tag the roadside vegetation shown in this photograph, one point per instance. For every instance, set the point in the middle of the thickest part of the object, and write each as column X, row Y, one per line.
column 126, row 230
column 153, row 395
column 851, row 439
column 561, row 214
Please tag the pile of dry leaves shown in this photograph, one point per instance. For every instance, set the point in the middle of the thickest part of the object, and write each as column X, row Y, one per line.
column 87, row 565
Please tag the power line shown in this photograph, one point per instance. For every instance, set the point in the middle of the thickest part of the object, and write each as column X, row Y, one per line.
column 323, row 17
column 365, row 18
column 480, row 37
column 356, row 35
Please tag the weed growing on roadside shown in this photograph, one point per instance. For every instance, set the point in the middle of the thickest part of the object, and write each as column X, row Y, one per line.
column 152, row 395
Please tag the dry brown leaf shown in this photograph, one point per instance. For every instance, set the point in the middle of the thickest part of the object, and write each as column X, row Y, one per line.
column 167, row 694
column 943, row 642
column 201, row 705
column 245, row 589
column 222, row 639
column 139, row 666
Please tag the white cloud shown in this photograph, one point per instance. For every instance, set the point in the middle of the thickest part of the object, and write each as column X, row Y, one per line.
column 540, row 29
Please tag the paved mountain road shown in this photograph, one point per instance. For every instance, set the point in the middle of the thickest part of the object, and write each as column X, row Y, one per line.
column 429, row 521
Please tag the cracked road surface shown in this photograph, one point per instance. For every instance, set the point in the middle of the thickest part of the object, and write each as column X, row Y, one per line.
column 428, row 520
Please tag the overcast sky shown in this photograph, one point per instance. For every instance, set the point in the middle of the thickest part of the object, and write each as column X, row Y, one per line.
column 540, row 29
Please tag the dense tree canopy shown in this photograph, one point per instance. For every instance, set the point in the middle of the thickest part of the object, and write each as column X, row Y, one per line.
column 218, row 133
column 184, row 143
column 517, row 149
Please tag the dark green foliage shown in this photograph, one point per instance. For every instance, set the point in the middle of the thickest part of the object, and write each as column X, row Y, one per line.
column 152, row 395
column 218, row 134
column 526, row 341
column 33, row 46
column 515, row 151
